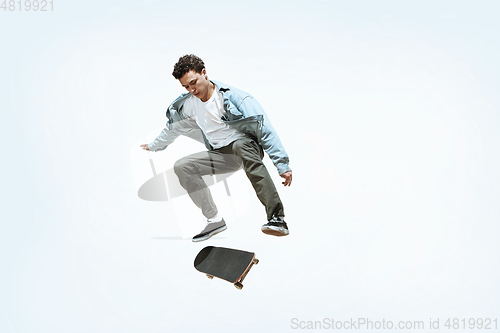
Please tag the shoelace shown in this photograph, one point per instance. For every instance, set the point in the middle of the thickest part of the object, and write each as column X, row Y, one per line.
column 277, row 221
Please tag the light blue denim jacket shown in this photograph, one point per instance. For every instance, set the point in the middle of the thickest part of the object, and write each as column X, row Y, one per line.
column 243, row 113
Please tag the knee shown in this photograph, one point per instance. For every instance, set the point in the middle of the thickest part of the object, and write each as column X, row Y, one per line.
column 183, row 167
column 178, row 166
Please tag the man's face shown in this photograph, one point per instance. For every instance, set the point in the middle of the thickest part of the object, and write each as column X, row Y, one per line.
column 196, row 83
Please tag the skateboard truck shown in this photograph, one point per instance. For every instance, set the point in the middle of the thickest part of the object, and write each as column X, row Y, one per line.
column 239, row 284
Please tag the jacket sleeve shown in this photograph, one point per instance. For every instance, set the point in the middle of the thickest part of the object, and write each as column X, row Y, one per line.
column 166, row 137
column 269, row 138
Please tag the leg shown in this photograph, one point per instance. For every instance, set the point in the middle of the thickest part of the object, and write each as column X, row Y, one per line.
column 190, row 170
column 251, row 155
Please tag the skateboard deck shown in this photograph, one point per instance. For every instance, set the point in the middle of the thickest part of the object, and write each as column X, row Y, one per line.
column 226, row 264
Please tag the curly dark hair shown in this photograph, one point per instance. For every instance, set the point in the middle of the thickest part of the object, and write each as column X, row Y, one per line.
column 187, row 63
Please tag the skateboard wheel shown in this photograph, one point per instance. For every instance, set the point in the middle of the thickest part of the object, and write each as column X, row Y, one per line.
column 210, row 277
column 238, row 285
column 256, row 261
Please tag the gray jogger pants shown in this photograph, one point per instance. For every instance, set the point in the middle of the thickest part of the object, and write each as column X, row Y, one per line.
column 244, row 152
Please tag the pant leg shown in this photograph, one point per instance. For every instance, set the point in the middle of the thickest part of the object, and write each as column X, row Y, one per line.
column 190, row 170
column 251, row 155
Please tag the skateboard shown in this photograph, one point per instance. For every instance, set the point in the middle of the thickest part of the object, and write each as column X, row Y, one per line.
column 226, row 264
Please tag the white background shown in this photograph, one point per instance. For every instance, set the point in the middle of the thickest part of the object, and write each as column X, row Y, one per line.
column 389, row 111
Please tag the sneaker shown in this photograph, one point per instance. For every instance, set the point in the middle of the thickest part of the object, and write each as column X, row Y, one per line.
column 276, row 227
column 211, row 229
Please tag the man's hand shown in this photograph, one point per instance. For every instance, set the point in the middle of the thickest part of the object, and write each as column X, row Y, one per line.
column 288, row 178
column 145, row 146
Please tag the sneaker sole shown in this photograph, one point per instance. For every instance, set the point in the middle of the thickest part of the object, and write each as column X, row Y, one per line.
column 210, row 234
column 275, row 231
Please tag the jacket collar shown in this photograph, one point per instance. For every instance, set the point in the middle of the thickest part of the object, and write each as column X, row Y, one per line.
column 221, row 86
column 177, row 104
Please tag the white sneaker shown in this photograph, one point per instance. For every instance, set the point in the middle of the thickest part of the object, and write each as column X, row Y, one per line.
column 276, row 227
column 211, row 229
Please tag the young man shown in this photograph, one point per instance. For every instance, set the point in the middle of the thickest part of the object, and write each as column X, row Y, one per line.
column 236, row 131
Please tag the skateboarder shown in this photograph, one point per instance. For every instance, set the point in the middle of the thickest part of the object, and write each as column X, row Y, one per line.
column 236, row 132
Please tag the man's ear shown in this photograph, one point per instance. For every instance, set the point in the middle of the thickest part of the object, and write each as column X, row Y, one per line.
column 204, row 72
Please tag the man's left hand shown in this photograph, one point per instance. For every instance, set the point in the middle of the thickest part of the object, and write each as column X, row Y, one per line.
column 288, row 178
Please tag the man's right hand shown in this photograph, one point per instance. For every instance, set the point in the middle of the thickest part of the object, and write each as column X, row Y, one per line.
column 145, row 146
column 288, row 178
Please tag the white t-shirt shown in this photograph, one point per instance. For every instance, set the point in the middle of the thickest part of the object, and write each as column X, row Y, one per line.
column 208, row 116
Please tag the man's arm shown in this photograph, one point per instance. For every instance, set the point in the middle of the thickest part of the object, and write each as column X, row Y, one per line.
column 269, row 139
column 166, row 137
